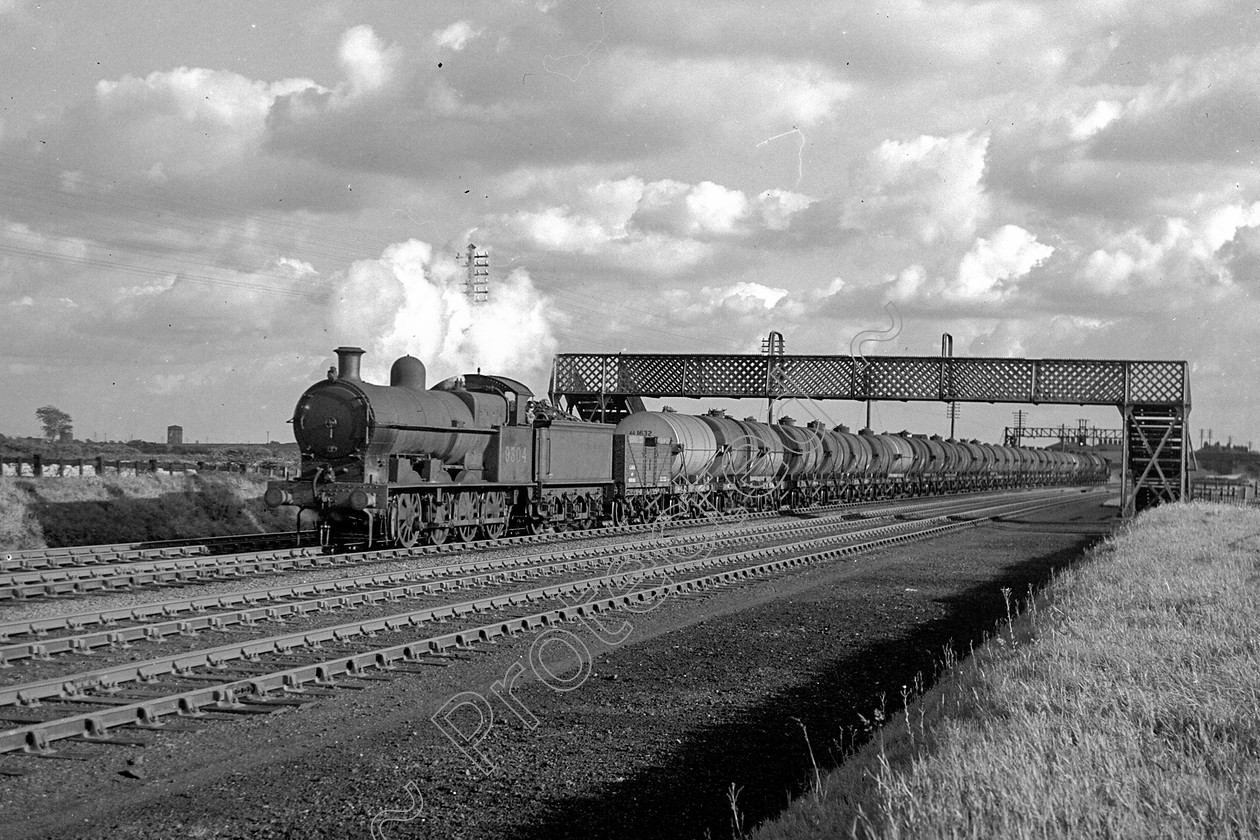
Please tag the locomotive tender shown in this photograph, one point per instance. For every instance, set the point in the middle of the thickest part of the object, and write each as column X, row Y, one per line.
column 473, row 457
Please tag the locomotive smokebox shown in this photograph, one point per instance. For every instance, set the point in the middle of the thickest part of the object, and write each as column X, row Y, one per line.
column 348, row 362
column 407, row 372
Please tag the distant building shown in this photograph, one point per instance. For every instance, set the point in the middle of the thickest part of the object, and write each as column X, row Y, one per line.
column 174, row 435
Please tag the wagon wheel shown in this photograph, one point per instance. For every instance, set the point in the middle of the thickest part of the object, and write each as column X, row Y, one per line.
column 598, row 510
column 636, row 510
column 574, row 510
column 405, row 520
column 439, row 516
column 618, row 513
column 494, row 506
column 466, row 515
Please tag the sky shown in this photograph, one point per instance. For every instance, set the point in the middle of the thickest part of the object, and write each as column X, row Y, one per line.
column 199, row 201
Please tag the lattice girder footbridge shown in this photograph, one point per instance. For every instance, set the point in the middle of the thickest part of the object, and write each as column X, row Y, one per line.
column 1152, row 396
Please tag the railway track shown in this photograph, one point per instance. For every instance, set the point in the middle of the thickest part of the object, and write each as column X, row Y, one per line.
column 157, row 620
column 107, row 568
column 38, row 559
column 321, row 653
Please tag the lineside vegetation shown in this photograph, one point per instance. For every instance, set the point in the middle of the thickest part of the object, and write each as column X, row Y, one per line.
column 49, row 512
column 1123, row 702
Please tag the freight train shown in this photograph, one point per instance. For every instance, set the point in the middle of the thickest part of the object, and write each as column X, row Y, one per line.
column 475, row 456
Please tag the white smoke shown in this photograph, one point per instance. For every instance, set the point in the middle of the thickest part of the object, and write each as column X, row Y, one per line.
column 413, row 301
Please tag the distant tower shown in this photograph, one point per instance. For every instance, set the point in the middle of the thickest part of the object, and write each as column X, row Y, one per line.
column 477, row 285
column 174, row 435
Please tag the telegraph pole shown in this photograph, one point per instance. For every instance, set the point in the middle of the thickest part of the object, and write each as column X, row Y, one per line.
column 951, row 410
column 1020, row 416
column 772, row 345
column 477, row 283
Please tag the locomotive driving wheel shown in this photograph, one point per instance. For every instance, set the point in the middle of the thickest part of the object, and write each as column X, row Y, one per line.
column 405, row 520
column 494, row 506
column 439, row 517
column 466, row 514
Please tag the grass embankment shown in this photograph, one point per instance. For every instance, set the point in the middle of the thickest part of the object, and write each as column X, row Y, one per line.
column 48, row 512
column 1124, row 702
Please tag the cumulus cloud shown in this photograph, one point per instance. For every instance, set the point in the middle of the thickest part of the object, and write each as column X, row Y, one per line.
column 704, row 210
column 928, row 189
column 187, row 140
column 1009, row 254
column 1199, row 256
column 987, row 274
column 743, row 307
column 456, row 36
column 777, row 207
column 368, row 64
column 659, row 225
column 1069, row 172
column 411, row 300
column 200, row 118
column 767, row 96
column 1098, row 117
column 1194, row 109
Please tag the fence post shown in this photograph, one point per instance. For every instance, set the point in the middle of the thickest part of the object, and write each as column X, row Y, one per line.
column 153, row 465
column 37, row 465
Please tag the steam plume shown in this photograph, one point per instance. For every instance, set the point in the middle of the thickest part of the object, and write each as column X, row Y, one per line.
column 412, row 300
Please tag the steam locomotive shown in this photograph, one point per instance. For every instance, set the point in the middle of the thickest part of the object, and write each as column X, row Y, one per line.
column 476, row 457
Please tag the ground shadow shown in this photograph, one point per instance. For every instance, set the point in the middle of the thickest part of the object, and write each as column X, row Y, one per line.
column 763, row 751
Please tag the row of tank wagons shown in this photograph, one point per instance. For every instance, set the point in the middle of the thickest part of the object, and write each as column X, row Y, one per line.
column 713, row 445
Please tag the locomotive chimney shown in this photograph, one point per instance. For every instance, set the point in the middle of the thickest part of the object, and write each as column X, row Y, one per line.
column 348, row 362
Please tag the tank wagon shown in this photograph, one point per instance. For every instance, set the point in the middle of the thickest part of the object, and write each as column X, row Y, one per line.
column 475, row 457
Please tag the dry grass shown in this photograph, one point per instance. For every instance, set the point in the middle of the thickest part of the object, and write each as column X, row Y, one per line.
column 35, row 513
column 19, row 529
column 1124, row 702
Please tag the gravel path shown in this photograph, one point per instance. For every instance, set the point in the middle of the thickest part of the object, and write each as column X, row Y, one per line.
column 703, row 693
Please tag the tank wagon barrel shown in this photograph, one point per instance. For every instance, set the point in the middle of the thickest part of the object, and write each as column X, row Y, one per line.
column 473, row 456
